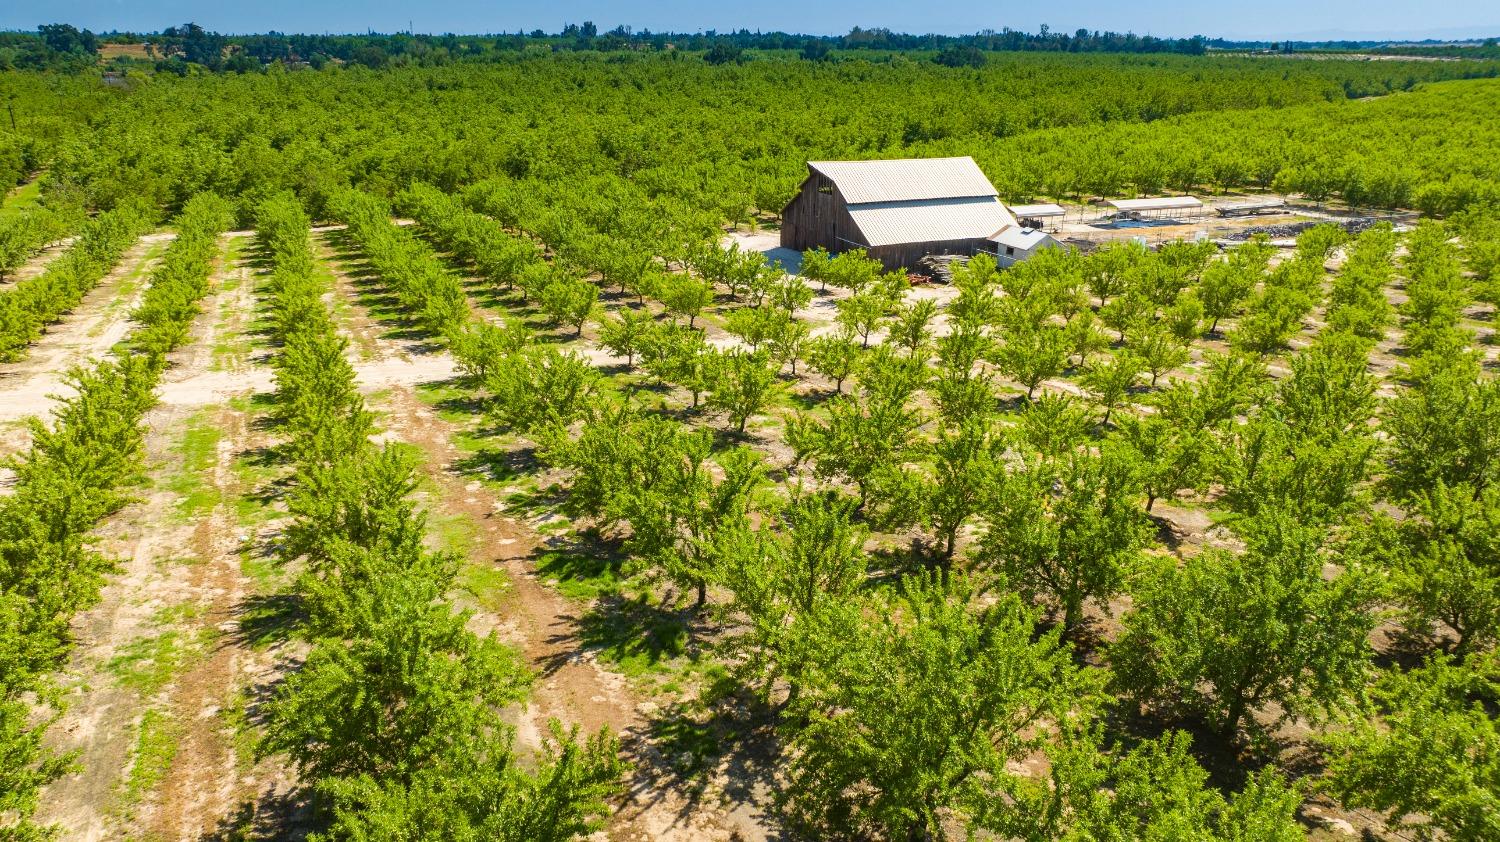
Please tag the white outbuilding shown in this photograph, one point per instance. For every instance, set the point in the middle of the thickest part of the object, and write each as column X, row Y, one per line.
column 1012, row 244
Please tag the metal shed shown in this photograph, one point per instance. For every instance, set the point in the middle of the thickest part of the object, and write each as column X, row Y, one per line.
column 1158, row 208
column 1046, row 214
column 898, row 210
column 1252, row 207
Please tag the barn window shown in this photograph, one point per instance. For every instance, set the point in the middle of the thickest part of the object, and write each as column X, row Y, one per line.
column 826, row 188
column 1010, row 251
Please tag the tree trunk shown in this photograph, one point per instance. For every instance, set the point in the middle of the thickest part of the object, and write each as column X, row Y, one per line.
column 1231, row 726
column 702, row 595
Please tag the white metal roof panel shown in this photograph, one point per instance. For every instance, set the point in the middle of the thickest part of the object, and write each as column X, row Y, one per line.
column 1018, row 237
column 905, row 180
column 931, row 221
column 1254, row 204
column 1037, row 211
column 1162, row 203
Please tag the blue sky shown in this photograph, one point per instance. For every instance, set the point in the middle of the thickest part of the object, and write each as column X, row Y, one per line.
column 1270, row 19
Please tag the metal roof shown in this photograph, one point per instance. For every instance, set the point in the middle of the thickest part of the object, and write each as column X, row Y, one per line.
column 1021, row 238
column 1163, row 203
column 930, row 221
column 1037, row 211
column 906, row 180
column 1252, row 205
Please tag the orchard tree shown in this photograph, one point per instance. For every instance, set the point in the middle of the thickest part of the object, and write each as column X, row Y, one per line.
column 976, row 305
column 1184, row 319
column 677, row 520
column 1159, row 351
column 852, row 270
column 1127, row 313
column 685, row 297
column 1084, row 338
column 481, row 345
column 1054, row 425
column 541, row 386
column 1106, row 269
column 790, row 294
column 920, row 701
column 625, row 334
column 1110, row 382
column 1032, row 355
column 680, row 355
column 756, row 325
column 1066, row 531
column 1270, row 320
column 805, row 563
column 745, row 384
column 1156, row 790
column 1268, row 628
column 834, row 356
column 959, row 471
column 1224, row 285
column 861, row 314
column 1431, row 763
column 911, row 325
column 570, row 301
column 1445, row 563
column 486, row 793
column 815, row 266
column 1168, row 455
column 1444, row 429
column 963, row 385
column 789, row 342
column 864, row 434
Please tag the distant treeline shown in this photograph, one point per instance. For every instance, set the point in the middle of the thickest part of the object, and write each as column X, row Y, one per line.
column 57, row 45
column 178, row 48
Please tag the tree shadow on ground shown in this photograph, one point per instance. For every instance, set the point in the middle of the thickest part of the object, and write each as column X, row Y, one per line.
column 265, row 619
column 633, row 634
column 287, row 815
column 727, row 734
column 1229, row 763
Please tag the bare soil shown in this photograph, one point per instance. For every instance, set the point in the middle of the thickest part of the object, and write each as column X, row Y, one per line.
column 181, row 579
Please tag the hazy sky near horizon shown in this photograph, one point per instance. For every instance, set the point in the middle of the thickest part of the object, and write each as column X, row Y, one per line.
column 1267, row 19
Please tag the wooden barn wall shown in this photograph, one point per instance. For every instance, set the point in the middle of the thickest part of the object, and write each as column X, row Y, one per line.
column 814, row 218
column 908, row 255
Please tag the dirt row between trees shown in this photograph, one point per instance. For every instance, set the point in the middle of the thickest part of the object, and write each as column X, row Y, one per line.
column 87, row 333
column 170, row 666
column 572, row 685
column 154, row 687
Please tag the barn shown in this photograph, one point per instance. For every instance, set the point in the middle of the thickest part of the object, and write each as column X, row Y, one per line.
column 897, row 210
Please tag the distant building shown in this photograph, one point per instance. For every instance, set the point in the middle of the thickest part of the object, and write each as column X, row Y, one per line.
column 899, row 211
column 1013, row 244
column 1047, row 215
column 1164, row 207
